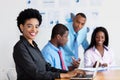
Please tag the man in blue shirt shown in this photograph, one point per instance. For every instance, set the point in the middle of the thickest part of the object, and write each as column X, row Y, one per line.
column 77, row 36
column 59, row 38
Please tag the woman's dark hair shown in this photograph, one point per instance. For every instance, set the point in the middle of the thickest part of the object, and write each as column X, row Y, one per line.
column 28, row 14
column 96, row 30
column 58, row 29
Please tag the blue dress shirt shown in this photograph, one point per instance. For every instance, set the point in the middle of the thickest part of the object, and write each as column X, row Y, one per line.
column 69, row 49
column 50, row 53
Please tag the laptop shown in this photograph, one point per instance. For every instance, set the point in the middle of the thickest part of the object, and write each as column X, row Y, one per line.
column 89, row 75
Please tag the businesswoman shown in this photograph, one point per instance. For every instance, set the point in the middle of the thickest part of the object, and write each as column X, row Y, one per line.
column 98, row 49
column 29, row 62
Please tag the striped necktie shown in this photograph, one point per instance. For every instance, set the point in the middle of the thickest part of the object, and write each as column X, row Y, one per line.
column 61, row 59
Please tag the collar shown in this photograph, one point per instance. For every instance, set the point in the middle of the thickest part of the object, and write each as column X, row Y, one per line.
column 105, row 47
column 26, row 41
column 53, row 47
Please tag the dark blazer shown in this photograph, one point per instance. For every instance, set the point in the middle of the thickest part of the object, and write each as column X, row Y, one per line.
column 30, row 64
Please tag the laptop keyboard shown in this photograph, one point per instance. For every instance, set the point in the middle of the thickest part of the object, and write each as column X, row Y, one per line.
column 86, row 76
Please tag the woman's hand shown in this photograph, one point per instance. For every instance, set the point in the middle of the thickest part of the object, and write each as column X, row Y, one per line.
column 72, row 73
column 104, row 65
column 99, row 64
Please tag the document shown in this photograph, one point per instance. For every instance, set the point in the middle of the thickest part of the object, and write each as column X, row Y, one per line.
column 93, row 69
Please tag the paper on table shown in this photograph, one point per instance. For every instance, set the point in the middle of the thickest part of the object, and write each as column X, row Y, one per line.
column 114, row 68
column 93, row 69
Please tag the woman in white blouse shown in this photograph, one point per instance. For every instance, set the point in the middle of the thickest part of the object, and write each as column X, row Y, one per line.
column 98, row 49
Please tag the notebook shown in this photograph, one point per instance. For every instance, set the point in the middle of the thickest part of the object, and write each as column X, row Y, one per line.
column 88, row 76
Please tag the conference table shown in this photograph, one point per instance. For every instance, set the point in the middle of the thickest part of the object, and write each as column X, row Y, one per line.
column 105, row 75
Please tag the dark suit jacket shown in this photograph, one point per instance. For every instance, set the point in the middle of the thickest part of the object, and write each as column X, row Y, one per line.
column 30, row 64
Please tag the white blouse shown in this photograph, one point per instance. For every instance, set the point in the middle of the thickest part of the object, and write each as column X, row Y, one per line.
column 92, row 55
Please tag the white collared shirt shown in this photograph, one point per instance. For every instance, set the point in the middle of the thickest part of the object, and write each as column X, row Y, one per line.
column 92, row 55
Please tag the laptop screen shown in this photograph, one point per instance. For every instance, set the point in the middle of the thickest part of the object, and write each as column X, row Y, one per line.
column 89, row 74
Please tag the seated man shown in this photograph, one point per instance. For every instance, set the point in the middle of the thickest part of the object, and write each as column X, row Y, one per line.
column 51, row 50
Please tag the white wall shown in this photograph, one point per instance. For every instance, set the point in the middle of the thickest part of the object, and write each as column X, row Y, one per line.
column 110, row 18
column 9, row 33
